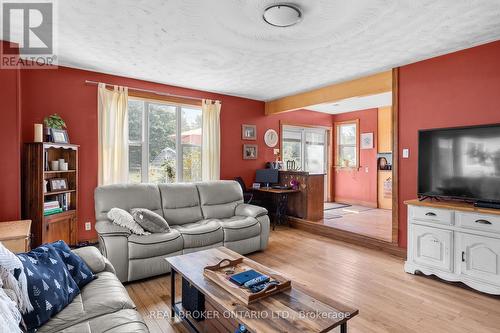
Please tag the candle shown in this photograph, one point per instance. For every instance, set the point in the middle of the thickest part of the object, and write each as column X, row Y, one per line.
column 38, row 133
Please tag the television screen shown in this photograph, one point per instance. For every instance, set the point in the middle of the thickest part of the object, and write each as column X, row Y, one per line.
column 460, row 163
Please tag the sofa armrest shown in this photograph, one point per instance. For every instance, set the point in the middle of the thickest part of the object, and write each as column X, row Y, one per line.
column 250, row 210
column 108, row 267
column 106, row 227
column 92, row 257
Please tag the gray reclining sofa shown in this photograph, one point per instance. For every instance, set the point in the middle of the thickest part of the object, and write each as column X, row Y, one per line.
column 201, row 215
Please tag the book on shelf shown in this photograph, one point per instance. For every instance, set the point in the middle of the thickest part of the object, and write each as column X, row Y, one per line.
column 52, row 211
column 51, row 204
column 62, row 201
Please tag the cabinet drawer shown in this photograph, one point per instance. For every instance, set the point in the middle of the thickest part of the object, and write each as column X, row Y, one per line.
column 475, row 221
column 430, row 214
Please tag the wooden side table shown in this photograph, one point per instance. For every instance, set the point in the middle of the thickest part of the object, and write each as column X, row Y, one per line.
column 15, row 235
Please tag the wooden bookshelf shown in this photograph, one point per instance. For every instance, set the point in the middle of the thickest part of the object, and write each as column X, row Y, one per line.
column 36, row 191
column 58, row 192
column 56, row 172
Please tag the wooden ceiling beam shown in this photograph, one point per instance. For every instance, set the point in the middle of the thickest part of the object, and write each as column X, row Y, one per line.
column 365, row 86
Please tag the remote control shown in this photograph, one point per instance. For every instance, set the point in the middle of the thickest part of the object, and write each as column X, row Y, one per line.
column 262, row 286
column 256, row 281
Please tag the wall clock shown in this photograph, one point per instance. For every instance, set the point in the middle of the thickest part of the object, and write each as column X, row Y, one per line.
column 271, row 138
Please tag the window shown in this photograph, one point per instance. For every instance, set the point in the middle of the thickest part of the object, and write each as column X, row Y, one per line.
column 347, row 144
column 306, row 147
column 164, row 142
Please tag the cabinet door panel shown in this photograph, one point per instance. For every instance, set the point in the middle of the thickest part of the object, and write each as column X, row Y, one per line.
column 58, row 230
column 433, row 247
column 480, row 257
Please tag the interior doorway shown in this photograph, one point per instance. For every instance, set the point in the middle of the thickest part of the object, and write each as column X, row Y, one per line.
column 362, row 179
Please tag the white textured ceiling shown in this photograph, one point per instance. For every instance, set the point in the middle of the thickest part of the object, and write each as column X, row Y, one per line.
column 224, row 45
column 354, row 104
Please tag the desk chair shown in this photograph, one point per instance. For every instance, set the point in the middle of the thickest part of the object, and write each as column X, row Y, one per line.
column 247, row 195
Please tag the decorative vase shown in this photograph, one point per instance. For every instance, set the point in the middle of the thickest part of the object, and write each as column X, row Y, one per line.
column 48, row 136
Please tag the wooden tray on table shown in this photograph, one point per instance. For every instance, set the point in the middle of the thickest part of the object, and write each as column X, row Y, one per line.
column 219, row 275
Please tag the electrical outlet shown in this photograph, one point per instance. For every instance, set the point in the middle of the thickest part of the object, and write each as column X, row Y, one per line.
column 366, row 169
column 406, row 153
column 88, row 226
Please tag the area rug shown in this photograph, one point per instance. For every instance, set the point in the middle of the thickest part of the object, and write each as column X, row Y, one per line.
column 334, row 205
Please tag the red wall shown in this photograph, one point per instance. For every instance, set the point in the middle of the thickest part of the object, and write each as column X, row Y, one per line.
column 10, row 143
column 359, row 186
column 457, row 89
column 64, row 91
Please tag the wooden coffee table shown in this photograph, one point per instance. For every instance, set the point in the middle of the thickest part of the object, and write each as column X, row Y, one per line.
column 293, row 310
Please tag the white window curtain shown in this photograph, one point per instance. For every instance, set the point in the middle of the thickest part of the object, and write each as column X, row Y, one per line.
column 210, row 149
column 113, row 135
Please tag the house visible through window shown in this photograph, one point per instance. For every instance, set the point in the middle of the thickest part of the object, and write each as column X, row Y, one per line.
column 164, row 142
column 347, row 144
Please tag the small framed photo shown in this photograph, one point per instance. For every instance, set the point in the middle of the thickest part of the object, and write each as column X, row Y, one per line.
column 59, row 135
column 58, row 184
column 250, row 152
column 367, row 141
column 249, row 132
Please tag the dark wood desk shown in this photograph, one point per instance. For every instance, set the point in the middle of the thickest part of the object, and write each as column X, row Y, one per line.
column 295, row 310
column 280, row 198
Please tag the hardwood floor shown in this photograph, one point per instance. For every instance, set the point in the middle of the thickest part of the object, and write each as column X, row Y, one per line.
column 388, row 299
column 366, row 221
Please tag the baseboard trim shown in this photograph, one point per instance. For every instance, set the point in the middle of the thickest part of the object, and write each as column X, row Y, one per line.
column 370, row 204
column 346, row 236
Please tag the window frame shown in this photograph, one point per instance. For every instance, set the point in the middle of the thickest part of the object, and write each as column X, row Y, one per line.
column 338, row 145
column 144, row 142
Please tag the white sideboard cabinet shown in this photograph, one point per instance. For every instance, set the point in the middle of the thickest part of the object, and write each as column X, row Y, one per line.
column 456, row 242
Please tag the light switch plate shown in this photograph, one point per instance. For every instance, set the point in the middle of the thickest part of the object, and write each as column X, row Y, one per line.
column 406, row 153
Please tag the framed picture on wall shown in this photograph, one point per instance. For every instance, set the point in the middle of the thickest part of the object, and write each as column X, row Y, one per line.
column 249, row 132
column 366, row 141
column 250, row 152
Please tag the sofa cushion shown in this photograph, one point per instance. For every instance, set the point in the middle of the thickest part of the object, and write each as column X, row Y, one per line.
column 149, row 220
column 239, row 227
column 124, row 219
column 126, row 196
column 180, row 203
column 219, row 198
column 50, row 286
column 200, row 234
column 154, row 245
column 102, row 296
column 78, row 269
column 127, row 320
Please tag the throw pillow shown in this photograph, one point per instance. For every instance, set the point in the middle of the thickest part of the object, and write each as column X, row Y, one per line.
column 50, row 286
column 78, row 269
column 124, row 219
column 149, row 220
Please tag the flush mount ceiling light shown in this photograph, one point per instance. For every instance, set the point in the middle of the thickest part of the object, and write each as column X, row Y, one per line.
column 282, row 15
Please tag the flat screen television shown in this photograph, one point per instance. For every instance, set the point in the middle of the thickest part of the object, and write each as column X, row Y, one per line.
column 460, row 163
